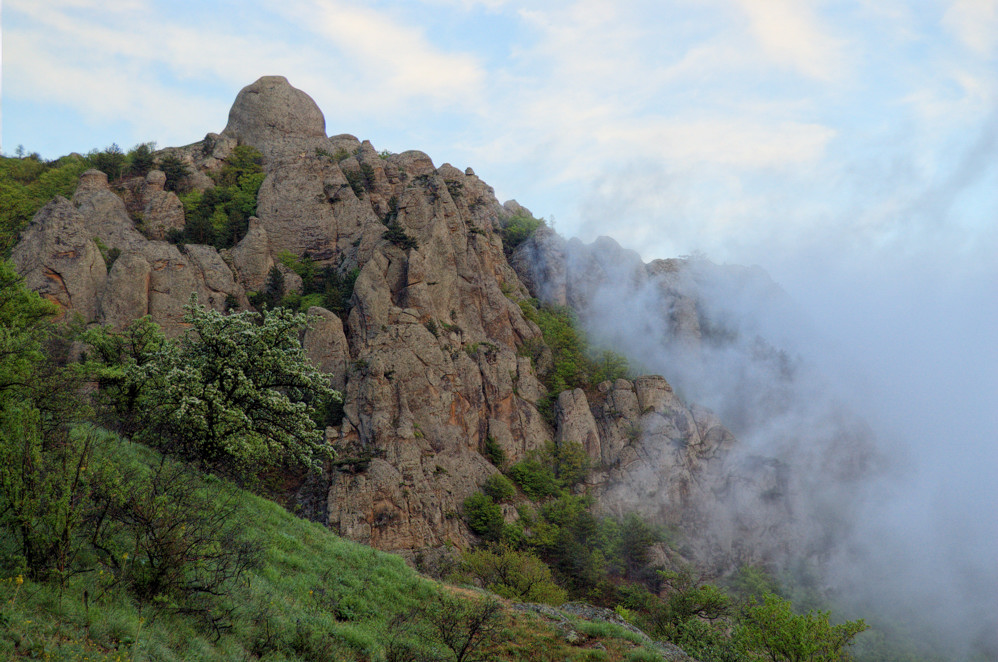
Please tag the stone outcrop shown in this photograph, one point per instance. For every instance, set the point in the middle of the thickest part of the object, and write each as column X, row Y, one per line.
column 89, row 257
column 326, row 346
column 60, row 260
column 428, row 355
column 104, row 214
column 162, row 210
column 709, row 327
column 274, row 117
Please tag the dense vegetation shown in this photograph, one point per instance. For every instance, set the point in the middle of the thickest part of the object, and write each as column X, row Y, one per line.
column 234, row 394
column 558, row 547
column 563, row 358
column 326, row 287
column 26, row 184
column 220, row 215
column 517, row 229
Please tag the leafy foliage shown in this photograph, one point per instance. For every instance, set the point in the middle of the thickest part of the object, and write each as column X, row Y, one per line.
column 174, row 169
column 517, row 229
column 111, row 161
column 512, row 574
column 236, row 391
column 396, row 234
column 326, row 287
column 491, row 448
column 483, row 516
column 778, row 634
column 551, row 470
column 220, row 215
column 468, row 630
column 535, row 478
column 499, row 488
column 26, row 185
column 572, row 363
column 38, row 401
column 171, row 536
column 141, row 159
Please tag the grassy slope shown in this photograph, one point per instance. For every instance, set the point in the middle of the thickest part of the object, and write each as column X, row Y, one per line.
column 314, row 596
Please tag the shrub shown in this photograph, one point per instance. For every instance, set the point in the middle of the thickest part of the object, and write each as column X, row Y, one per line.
column 547, row 472
column 512, row 574
column 483, row 516
column 175, row 171
column 499, row 488
column 110, row 161
column 535, row 478
column 45, row 494
column 141, row 160
column 236, row 392
column 172, row 538
column 219, row 216
column 517, row 229
column 636, row 540
column 493, row 452
column 27, row 184
column 773, row 628
column 469, row 629
column 398, row 236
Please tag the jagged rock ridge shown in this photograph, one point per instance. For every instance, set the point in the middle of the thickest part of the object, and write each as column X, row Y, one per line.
column 427, row 357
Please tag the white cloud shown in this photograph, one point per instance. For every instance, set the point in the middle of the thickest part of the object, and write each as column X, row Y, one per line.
column 792, row 36
column 975, row 24
column 397, row 60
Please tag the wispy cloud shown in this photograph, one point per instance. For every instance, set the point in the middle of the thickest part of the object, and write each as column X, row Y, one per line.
column 793, row 37
column 975, row 23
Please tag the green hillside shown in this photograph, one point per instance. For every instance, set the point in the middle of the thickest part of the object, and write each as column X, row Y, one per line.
column 304, row 594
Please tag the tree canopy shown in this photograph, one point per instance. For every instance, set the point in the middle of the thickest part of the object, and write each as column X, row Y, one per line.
column 235, row 391
column 772, row 627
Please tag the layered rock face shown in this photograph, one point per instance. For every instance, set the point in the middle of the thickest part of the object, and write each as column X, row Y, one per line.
column 427, row 357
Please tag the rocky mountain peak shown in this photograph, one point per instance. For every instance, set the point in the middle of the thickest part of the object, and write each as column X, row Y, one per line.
column 274, row 117
column 429, row 345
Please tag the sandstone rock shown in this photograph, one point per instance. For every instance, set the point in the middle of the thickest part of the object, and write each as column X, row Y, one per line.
column 104, row 214
column 126, row 296
column 59, row 259
column 216, row 280
column 428, row 356
column 326, row 345
column 162, row 210
column 576, row 423
column 276, row 118
column 174, row 276
column 251, row 257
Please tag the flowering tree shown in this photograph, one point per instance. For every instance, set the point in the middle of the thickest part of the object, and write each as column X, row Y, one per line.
column 236, row 391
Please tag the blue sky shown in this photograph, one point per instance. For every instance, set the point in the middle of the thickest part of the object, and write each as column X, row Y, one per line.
column 850, row 148
column 727, row 126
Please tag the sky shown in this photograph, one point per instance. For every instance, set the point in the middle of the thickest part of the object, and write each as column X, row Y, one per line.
column 850, row 148
column 733, row 127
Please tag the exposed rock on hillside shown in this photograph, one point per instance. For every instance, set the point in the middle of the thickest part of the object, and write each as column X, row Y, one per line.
column 274, row 117
column 162, row 210
column 709, row 328
column 59, row 259
column 427, row 356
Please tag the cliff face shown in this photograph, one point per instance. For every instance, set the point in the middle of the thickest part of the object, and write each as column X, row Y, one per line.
column 427, row 357
column 788, row 485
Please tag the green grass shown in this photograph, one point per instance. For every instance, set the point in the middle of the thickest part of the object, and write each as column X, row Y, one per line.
column 310, row 596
